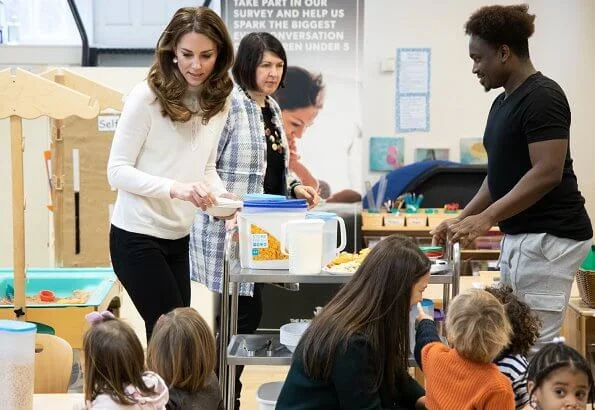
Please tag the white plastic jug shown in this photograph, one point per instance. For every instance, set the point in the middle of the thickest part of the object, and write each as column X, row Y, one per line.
column 329, row 235
column 302, row 241
column 17, row 364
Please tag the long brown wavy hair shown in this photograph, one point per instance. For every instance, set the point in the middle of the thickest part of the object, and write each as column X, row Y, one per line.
column 169, row 84
column 375, row 303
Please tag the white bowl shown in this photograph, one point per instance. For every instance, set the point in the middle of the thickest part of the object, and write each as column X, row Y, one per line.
column 439, row 266
column 225, row 207
column 267, row 395
column 291, row 333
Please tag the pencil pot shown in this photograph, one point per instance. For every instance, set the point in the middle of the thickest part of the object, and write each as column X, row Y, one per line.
column 428, row 307
column 372, row 219
column 416, row 219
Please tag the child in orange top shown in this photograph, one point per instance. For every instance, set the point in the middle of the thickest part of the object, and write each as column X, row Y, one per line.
column 463, row 377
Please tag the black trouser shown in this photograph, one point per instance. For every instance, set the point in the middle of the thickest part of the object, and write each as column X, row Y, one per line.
column 155, row 272
column 249, row 315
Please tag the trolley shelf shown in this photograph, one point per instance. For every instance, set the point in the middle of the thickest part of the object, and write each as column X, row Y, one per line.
column 237, row 355
column 283, row 276
column 254, row 350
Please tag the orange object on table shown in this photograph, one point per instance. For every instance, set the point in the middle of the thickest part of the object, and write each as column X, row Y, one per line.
column 47, row 296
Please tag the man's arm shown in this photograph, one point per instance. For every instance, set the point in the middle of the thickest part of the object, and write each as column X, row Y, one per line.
column 547, row 165
column 478, row 204
column 480, row 201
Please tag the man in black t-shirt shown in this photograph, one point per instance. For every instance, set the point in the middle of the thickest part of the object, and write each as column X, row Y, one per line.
column 531, row 190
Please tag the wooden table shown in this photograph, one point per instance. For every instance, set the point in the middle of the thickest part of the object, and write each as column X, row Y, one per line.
column 66, row 401
column 579, row 326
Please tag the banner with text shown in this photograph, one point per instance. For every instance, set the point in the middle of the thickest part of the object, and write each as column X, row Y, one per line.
column 324, row 37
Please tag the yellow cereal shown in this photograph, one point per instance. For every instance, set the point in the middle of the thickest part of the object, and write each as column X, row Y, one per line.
column 273, row 252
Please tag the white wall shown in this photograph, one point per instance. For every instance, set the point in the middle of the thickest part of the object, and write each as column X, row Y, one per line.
column 563, row 48
column 36, row 134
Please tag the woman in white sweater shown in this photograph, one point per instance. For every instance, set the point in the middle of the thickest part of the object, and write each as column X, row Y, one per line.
column 162, row 160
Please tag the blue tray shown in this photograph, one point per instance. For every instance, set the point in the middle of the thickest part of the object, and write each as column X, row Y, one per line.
column 62, row 281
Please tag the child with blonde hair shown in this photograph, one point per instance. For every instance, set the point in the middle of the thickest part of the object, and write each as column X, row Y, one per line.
column 115, row 376
column 463, row 376
column 182, row 351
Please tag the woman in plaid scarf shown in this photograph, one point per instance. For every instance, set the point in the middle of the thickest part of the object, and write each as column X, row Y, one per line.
column 252, row 157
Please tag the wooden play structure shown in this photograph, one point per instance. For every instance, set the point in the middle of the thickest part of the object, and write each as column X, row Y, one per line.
column 81, row 196
column 27, row 96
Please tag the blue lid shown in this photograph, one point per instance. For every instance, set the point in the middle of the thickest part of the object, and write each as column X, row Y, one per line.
column 15, row 326
column 285, row 204
column 325, row 216
column 263, row 197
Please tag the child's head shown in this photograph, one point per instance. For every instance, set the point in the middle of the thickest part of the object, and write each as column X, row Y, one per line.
column 477, row 326
column 114, row 359
column 558, row 376
column 182, row 349
column 524, row 322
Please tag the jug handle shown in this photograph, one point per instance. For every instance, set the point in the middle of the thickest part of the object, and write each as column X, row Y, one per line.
column 343, row 234
column 283, row 239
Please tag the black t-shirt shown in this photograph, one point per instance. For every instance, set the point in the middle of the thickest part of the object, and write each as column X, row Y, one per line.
column 274, row 177
column 536, row 111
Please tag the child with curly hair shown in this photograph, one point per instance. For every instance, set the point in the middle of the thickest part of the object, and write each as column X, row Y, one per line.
column 525, row 323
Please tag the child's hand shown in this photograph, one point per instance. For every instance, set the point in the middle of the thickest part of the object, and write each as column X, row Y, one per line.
column 421, row 315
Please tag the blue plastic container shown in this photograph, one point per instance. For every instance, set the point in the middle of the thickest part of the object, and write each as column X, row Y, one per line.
column 428, row 307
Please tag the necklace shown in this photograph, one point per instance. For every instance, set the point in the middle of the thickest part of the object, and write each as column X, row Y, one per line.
column 273, row 137
column 195, row 123
column 272, row 133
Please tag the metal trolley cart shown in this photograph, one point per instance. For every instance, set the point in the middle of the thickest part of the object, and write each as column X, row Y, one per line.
column 265, row 349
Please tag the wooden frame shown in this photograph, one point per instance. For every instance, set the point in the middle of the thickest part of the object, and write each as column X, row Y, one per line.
column 26, row 95
column 64, row 134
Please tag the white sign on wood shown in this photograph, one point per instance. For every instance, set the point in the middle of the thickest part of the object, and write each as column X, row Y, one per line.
column 107, row 123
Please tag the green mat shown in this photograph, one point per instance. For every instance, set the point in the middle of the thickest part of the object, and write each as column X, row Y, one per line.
column 43, row 328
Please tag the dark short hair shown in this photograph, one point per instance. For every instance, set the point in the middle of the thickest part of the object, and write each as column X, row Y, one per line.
column 503, row 25
column 249, row 55
column 301, row 89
